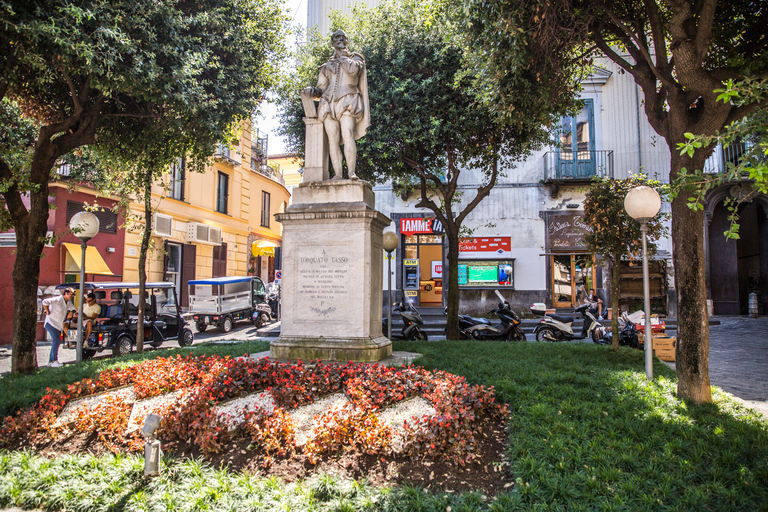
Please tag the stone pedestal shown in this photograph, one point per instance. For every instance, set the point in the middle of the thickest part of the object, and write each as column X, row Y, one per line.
column 332, row 274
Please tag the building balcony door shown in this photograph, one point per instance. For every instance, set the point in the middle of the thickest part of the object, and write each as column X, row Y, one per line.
column 572, row 277
column 576, row 157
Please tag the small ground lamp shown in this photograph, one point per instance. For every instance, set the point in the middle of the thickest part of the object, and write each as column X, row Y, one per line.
column 152, row 452
column 85, row 225
column 391, row 241
column 642, row 204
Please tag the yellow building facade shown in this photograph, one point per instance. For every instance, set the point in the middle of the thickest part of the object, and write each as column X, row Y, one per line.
column 205, row 224
column 291, row 167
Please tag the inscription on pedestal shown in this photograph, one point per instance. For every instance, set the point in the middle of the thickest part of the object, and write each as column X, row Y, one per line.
column 324, row 281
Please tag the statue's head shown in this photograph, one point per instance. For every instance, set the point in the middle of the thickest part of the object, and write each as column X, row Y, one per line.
column 339, row 40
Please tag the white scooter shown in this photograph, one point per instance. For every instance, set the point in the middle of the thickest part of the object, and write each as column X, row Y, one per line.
column 558, row 327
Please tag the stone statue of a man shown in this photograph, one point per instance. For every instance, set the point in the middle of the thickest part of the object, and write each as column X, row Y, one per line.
column 342, row 91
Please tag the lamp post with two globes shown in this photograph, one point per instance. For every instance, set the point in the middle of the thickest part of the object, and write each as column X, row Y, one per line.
column 390, row 243
column 642, row 204
column 85, row 225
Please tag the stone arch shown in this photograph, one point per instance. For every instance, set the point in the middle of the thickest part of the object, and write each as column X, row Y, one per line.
column 735, row 268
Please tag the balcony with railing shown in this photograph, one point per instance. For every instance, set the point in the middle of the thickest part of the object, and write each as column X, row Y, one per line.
column 259, row 145
column 229, row 156
column 577, row 166
column 722, row 156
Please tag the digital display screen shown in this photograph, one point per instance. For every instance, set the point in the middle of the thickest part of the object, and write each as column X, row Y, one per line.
column 481, row 273
column 494, row 273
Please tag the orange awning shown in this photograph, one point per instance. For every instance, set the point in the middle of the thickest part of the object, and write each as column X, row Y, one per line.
column 94, row 263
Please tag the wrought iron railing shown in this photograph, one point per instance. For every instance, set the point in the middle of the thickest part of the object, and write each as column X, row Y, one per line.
column 577, row 166
column 720, row 158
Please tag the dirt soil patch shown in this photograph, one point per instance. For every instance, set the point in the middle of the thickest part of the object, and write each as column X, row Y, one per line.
column 488, row 473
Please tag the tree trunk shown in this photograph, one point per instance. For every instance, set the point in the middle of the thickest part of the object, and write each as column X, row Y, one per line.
column 692, row 352
column 30, row 226
column 615, row 273
column 452, row 320
column 145, row 236
column 26, row 275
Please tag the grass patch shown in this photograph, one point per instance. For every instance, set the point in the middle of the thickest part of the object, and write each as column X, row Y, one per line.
column 586, row 431
column 22, row 391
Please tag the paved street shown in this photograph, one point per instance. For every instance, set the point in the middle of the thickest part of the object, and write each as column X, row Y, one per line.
column 738, row 355
column 242, row 331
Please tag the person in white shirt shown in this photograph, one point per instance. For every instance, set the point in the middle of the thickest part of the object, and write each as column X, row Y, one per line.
column 56, row 309
column 91, row 312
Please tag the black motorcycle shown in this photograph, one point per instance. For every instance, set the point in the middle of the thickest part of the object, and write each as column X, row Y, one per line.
column 509, row 327
column 412, row 323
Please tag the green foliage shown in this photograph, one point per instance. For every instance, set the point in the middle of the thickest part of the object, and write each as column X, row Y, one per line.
column 752, row 164
column 428, row 121
column 587, row 431
column 145, row 81
column 612, row 231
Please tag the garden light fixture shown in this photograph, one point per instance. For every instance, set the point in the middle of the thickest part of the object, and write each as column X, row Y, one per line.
column 390, row 243
column 642, row 204
column 85, row 225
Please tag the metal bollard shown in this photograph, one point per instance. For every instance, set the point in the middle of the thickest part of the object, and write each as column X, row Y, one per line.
column 753, row 305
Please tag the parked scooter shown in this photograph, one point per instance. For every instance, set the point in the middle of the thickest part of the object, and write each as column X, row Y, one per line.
column 508, row 327
column 262, row 315
column 273, row 299
column 466, row 321
column 627, row 333
column 412, row 322
column 558, row 327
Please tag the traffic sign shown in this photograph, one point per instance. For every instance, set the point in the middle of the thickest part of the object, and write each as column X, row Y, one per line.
column 278, row 275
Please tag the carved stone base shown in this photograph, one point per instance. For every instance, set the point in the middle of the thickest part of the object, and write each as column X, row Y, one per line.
column 332, row 274
column 290, row 348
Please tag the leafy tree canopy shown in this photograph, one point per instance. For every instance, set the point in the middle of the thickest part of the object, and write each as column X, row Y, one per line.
column 428, row 126
column 144, row 80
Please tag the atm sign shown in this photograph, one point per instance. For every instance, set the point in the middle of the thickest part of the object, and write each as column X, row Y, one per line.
column 410, row 263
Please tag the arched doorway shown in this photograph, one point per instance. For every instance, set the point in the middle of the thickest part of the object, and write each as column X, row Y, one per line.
column 737, row 267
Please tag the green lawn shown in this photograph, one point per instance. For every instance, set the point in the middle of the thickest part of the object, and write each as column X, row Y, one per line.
column 586, row 432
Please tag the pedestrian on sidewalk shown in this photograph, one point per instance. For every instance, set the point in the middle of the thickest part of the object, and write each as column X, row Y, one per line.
column 56, row 309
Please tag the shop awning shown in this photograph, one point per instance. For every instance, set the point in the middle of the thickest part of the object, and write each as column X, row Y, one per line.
column 263, row 248
column 94, row 263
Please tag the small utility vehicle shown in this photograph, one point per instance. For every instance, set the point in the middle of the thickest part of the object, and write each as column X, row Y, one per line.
column 222, row 301
column 115, row 328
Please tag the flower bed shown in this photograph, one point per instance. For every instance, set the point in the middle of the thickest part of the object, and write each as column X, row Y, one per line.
column 199, row 388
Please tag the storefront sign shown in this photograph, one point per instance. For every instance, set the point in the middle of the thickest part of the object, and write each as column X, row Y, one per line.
column 421, row 226
column 437, row 269
column 485, row 247
column 566, row 230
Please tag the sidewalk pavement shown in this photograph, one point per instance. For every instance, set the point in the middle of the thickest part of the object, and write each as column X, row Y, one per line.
column 241, row 332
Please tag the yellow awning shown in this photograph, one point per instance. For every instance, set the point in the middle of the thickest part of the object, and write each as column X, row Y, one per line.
column 94, row 263
column 263, row 248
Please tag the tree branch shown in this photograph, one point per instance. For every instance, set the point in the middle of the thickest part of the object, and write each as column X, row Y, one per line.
column 704, row 30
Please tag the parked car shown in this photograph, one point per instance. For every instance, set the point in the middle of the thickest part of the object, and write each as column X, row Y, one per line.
column 222, row 301
column 116, row 326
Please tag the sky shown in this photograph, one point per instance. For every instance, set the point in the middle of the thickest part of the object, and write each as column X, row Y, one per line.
column 267, row 122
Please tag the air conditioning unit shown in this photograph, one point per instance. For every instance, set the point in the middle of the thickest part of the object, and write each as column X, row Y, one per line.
column 162, row 225
column 203, row 234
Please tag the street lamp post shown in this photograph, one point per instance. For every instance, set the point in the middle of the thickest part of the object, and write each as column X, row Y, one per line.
column 642, row 204
column 391, row 240
column 85, row 225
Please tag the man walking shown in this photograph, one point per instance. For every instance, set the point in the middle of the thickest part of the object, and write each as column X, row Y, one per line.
column 56, row 309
